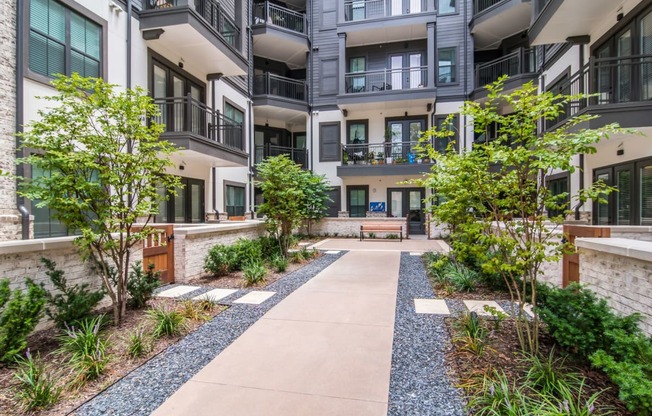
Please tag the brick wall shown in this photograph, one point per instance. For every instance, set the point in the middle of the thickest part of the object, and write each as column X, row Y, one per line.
column 346, row 226
column 619, row 270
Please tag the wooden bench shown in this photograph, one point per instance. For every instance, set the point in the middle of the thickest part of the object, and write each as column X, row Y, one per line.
column 381, row 227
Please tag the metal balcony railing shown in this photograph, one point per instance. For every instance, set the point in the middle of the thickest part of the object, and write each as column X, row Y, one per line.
column 616, row 80
column 262, row 152
column 521, row 61
column 391, row 153
column 386, row 79
column 187, row 115
column 358, row 10
column 481, row 5
column 271, row 14
column 270, row 84
column 210, row 11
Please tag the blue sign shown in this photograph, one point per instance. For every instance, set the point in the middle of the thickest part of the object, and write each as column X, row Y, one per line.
column 377, row 206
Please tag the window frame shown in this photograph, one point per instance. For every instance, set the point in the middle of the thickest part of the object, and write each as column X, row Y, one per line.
column 453, row 67
column 239, row 185
column 455, row 124
column 338, row 153
column 555, row 178
column 70, row 6
column 350, row 188
column 455, row 11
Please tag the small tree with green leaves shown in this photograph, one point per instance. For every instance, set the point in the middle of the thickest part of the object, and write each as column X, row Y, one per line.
column 495, row 195
column 103, row 161
column 315, row 189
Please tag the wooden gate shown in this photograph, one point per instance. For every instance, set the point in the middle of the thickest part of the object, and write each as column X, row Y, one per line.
column 571, row 262
column 158, row 248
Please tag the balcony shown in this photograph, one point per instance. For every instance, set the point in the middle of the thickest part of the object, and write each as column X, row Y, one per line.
column 359, row 10
column 521, row 66
column 299, row 156
column 280, row 98
column 280, row 34
column 495, row 20
column 196, row 128
column 620, row 89
column 199, row 30
column 379, row 159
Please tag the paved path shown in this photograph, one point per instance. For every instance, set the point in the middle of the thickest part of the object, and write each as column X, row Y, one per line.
column 326, row 349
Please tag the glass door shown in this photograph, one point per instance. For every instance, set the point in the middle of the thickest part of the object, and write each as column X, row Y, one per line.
column 415, row 6
column 623, row 195
column 601, row 213
column 357, row 201
column 645, row 194
column 195, row 201
column 396, row 204
column 403, row 135
column 396, row 7
column 396, row 72
column 408, row 203
column 415, row 216
column 178, row 92
column 415, row 75
column 624, row 67
column 646, row 64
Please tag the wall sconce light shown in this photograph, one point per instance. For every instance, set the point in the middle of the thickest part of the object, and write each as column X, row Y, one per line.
column 619, row 16
column 345, row 112
column 429, row 107
column 406, row 114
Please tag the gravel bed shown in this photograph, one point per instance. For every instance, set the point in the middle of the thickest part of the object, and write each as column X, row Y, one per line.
column 419, row 382
column 147, row 387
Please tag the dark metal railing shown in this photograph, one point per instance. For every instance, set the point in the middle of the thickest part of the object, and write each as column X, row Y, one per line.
column 270, row 84
column 262, row 152
column 271, row 14
column 211, row 11
column 481, row 5
column 357, row 10
column 521, row 61
column 614, row 80
column 187, row 115
column 386, row 79
column 397, row 153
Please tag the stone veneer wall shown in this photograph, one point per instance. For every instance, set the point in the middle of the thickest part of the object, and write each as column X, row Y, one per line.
column 10, row 226
column 346, row 226
column 619, row 270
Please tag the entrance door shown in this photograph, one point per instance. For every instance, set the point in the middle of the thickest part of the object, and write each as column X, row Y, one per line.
column 414, row 73
column 403, row 135
column 396, row 72
column 602, row 210
column 408, row 202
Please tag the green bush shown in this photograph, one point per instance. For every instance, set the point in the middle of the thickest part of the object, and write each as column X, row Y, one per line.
column 167, row 322
column 141, row 284
column 220, row 260
column 19, row 313
column 223, row 259
column 87, row 349
column 254, row 272
column 270, row 247
column 247, row 251
column 74, row 303
column 279, row 263
column 37, row 388
column 137, row 343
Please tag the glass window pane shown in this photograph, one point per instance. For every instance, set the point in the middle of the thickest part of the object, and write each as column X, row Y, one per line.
column 646, row 195
column 357, row 133
column 180, row 206
column 447, row 63
column 446, row 6
column 623, row 197
column 646, row 49
column 195, row 203
column 603, row 209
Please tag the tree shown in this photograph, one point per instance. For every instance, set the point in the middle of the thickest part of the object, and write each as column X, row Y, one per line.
column 291, row 195
column 103, row 163
column 495, row 195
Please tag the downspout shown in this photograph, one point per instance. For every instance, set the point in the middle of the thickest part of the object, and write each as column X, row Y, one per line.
column 129, row 7
column 311, row 90
column 466, row 77
column 20, row 168
column 581, row 161
column 214, row 169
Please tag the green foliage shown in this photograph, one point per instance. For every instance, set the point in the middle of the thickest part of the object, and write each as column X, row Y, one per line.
column 473, row 333
column 37, row 387
column 19, row 313
column 254, row 272
column 279, row 263
column 137, row 343
column 220, row 260
column 73, row 303
column 315, row 194
column 102, row 161
column 86, row 348
column 193, row 310
column 141, row 284
column 548, row 375
column 494, row 197
column 167, row 322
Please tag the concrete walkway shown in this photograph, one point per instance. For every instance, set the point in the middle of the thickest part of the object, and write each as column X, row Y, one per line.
column 326, row 349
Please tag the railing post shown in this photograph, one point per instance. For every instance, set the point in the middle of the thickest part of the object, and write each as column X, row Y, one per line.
column 188, row 113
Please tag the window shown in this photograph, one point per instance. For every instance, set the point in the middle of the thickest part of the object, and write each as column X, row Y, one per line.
column 62, row 41
column 444, row 123
column 235, row 200
column 356, row 131
column 358, row 83
column 445, row 6
column 447, row 65
column 557, row 186
column 232, row 132
column 233, row 113
column 329, row 142
column 358, row 200
column 334, row 204
column 45, row 225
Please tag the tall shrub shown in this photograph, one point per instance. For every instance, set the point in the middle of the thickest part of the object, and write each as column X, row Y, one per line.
column 20, row 311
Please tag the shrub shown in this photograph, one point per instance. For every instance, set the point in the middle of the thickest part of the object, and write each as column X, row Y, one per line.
column 221, row 259
column 37, row 388
column 254, row 272
column 297, row 257
column 474, row 333
column 141, row 284
column 167, row 322
column 279, row 263
column 74, row 303
column 87, row 349
column 192, row 310
column 137, row 343
column 548, row 375
column 207, row 304
column 19, row 313
column 247, row 251
column 270, row 247
column 462, row 278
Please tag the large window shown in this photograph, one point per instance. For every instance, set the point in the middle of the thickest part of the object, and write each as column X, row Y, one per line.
column 447, row 65
column 62, row 41
column 235, row 200
column 445, row 6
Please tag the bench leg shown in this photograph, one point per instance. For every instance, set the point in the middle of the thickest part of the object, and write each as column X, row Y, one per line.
column 401, row 234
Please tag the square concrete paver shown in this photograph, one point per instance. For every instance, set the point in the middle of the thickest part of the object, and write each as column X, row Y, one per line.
column 431, row 306
column 177, row 291
column 332, row 252
column 255, row 297
column 415, row 253
column 215, row 294
column 477, row 306
column 529, row 309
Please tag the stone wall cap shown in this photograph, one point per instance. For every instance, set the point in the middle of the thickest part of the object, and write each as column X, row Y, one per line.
column 37, row 244
column 630, row 229
column 636, row 249
column 216, row 228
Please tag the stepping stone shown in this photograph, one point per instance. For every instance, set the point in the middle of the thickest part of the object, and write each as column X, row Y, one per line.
column 416, row 254
column 332, row 252
column 477, row 306
column 303, row 244
column 215, row 294
column 431, row 306
column 255, row 297
column 177, row 291
column 529, row 309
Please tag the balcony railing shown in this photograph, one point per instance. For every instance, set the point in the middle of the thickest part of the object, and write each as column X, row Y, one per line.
column 521, row 61
column 359, row 10
column 271, row 14
column 210, row 11
column 617, row 80
column 391, row 153
column 270, row 84
column 387, row 79
column 262, row 152
column 187, row 115
column 481, row 5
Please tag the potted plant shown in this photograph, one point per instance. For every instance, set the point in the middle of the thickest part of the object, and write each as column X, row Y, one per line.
column 379, row 158
column 345, row 157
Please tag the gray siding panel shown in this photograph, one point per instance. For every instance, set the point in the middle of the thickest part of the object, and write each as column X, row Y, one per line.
column 451, row 31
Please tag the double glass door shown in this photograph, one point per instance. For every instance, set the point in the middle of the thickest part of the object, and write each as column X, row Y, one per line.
column 406, row 71
column 187, row 206
column 408, row 202
column 171, row 91
column 403, row 135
